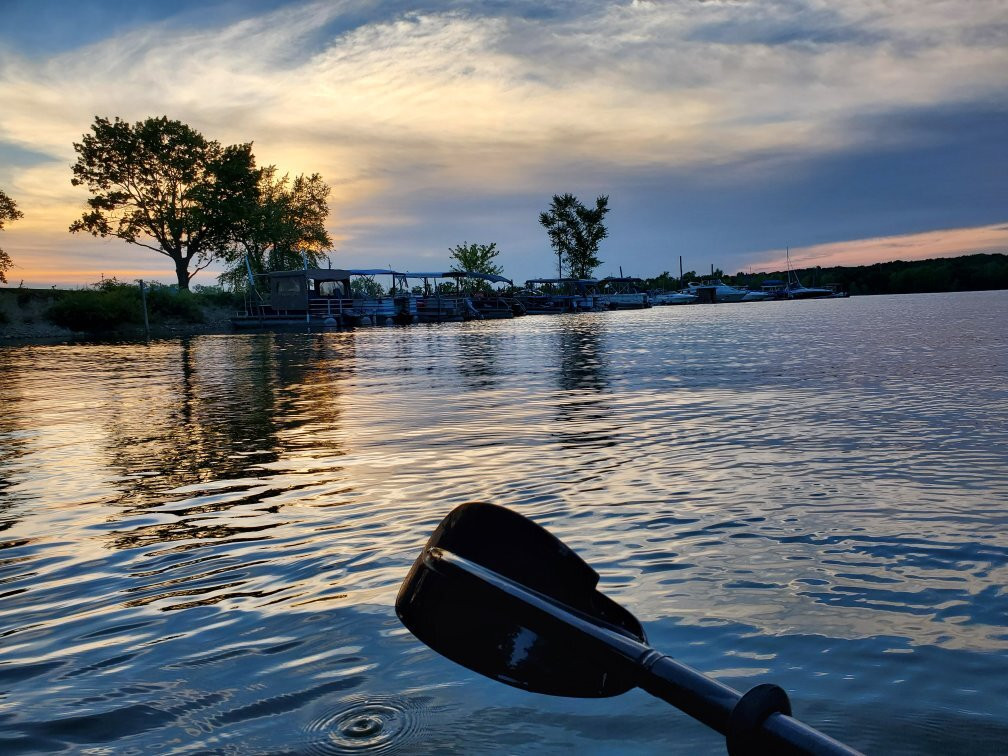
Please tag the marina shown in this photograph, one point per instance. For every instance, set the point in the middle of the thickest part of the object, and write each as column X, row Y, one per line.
column 326, row 298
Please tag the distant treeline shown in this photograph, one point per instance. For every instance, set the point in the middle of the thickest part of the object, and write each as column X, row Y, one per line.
column 968, row 273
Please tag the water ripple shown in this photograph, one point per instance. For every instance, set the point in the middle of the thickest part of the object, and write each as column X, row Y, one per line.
column 376, row 725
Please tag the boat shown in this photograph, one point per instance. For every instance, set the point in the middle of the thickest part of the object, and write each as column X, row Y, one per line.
column 755, row 296
column 551, row 296
column 715, row 290
column 449, row 300
column 624, row 293
column 397, row 306
column 796, row 290
column 672, row 298
column 774, row 288
column 321, row 298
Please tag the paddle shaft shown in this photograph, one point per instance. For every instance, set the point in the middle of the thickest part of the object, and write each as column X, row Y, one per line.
column 690, row 691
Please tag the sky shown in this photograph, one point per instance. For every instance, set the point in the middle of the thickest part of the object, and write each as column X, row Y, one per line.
column 724, row 132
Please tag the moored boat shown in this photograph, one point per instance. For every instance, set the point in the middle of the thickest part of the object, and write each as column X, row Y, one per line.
column 451, row 301
column 624, row 293
column 321, row 298
column 796, row 290
column 673, row 298
column 716, row 288
column 551, row 296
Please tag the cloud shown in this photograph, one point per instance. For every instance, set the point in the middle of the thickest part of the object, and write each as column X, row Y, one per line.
column 931, row 244
column 498, row 105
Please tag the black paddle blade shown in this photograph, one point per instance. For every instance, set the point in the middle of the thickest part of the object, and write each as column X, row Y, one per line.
column 498, row 635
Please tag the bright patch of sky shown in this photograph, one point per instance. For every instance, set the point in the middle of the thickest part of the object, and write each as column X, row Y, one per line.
column 722, row 131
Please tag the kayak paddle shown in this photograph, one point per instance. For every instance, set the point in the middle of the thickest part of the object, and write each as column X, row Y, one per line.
column 497, row 593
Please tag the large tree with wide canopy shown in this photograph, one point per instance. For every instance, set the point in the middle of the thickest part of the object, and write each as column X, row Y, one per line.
column 162, row 185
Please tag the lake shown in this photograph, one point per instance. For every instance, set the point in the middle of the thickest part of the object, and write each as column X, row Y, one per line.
column 201, row 539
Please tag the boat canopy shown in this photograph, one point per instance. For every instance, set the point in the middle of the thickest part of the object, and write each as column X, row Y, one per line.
column 374, row 272
column 290, row 289
column 492, row 278
column 584, row 281
column 317, row 274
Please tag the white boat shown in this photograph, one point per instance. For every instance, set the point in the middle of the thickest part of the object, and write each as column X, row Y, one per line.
column 624, row 293
column 756, row 296
column 722, row 291
column 673, row 298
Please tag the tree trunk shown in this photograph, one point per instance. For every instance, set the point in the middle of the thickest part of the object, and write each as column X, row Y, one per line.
column 182, row 271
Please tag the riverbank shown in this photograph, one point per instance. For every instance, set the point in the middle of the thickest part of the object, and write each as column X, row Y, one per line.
column 23, row 317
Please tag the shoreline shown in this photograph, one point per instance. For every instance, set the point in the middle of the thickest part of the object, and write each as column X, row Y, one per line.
column 47, row 333
column 23, row 321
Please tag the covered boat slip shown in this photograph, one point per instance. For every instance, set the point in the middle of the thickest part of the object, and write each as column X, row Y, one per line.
column 322, row 297
column 325, row 298
column 550, row 296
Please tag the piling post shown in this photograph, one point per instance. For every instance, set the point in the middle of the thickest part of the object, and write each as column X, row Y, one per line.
column 143, row 298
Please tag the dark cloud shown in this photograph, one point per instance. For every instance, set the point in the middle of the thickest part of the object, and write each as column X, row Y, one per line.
column 783, row 24
column 911, row 171
column 14, row 156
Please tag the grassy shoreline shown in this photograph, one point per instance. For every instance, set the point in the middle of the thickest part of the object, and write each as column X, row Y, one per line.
column 28, row 315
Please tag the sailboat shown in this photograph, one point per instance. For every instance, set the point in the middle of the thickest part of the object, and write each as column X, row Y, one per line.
column 796, row 290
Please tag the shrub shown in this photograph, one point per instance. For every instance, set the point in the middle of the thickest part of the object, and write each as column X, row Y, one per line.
column 215, row 296
column 97, row 309
column 169, row 302
column 108, row 304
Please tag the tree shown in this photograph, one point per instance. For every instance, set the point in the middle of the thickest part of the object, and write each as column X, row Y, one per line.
column 160, row 184
column 476, row 258
column 575, row 232
column 661, row 282
column 8, row 213
column 282, row 228
column 365, row 287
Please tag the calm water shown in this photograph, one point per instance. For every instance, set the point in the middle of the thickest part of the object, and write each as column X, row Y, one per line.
column 201, row 539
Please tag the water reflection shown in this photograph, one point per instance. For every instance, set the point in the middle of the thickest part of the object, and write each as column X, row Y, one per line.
column 248, row 426
column 584, row 414
column 478, row 355
column 12, row 445
column 579, row 344
column 223, row 407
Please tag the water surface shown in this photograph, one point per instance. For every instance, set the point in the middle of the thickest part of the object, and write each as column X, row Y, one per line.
column 201, row 539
